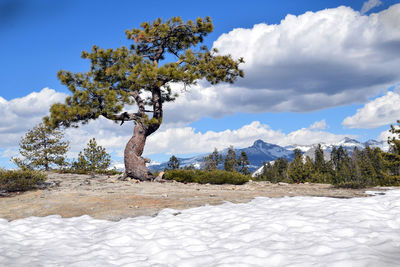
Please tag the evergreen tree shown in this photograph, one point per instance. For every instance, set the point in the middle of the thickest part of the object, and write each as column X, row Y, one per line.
column 213, row 160
column 93, row 158
column 42, row 147
column 319, row 160
column 368, row 173
column 231, row 163
column 296, row 168
column 322, row 168
column 280, row 170
column 189, row 167
column 338, row 157
column 266, row 171
column 308, row 169
column 163, row 53
column 173, row 163
column 394, row 140
column 392, row 158
column 341, row 165
column 243, row 163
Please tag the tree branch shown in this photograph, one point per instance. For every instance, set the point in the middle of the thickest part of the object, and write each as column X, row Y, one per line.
column 139, row 101
column 125, row 116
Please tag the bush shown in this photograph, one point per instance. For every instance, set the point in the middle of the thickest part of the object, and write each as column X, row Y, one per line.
column 81, row 171
column 204, row 177
column 352, row 185
column 20, row 180
column 94, row 158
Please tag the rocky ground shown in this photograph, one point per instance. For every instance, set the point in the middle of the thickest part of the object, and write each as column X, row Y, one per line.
column 106, row 197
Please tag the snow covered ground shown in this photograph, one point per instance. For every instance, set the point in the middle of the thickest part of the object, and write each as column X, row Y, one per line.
column 296, row 231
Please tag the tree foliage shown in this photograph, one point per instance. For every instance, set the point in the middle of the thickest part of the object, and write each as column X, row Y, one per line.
column 206, row 177
column 296, row 170
column 173, row 163
column 122, row 76
column 231, row 163
column 94, row 158
column 243, row 163
column 392, row 158
column 213, row 160
column 161, row 53
column 42, row 148
column 20, row 180
column 367, row 167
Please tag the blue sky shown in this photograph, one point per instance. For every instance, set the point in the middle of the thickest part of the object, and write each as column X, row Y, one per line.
column 312, row 86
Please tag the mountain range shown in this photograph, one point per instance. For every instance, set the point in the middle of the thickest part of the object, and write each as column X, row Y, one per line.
column 261, row 152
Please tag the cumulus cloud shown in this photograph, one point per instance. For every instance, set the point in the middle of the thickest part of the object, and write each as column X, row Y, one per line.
column 380, row 111
column 186, row 140
column 21, row 114
column 370, row 4
column 312, row 61
column 384, row 136
column 168, row 140
column 319, row 125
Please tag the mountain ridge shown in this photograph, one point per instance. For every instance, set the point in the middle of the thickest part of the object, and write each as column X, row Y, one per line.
column 261, row 151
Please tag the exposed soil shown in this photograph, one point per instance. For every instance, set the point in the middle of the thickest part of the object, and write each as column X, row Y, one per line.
column 106, row 197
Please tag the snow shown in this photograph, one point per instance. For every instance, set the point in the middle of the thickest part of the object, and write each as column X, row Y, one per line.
column 258, row 172
column 290, row 231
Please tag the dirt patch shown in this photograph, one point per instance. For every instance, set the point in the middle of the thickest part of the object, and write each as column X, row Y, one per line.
column 106, row 197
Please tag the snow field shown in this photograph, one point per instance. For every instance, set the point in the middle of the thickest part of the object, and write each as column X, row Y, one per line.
column 290, row 231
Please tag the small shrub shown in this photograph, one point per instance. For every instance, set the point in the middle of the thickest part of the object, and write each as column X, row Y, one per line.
column 82, row 171
column 20, row 180
column 351, row 184
column 204, row 177
column 94, row 158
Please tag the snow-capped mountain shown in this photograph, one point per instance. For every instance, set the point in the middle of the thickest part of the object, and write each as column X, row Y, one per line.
column 261, row 152
column 348, row 145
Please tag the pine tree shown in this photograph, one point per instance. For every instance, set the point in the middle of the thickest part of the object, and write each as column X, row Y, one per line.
column 231, row 163
column 42, row 148
column 173, row 163
column 296, row 168
column 266, row 171
column 394, row 141
column 309, row 169
column 341, row 166
column 319, row 160
column 93, row 158
column 280, row 170
column 213, row 160
column 367, row 170
column 392, row 158
column 163, row 53
column 243, row 163
column 322, row 168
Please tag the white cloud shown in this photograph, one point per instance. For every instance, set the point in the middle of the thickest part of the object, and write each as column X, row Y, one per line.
column 168, row 140
column 309, row 62
column 319, row 125
column 380, row 111
column 187, row 140
column 384, row 137
column 313, row 61
column 370, row 4
column 21, row 114
column 9, row 153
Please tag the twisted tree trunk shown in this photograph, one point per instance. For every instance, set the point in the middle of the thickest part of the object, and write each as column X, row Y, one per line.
column 135, row 164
